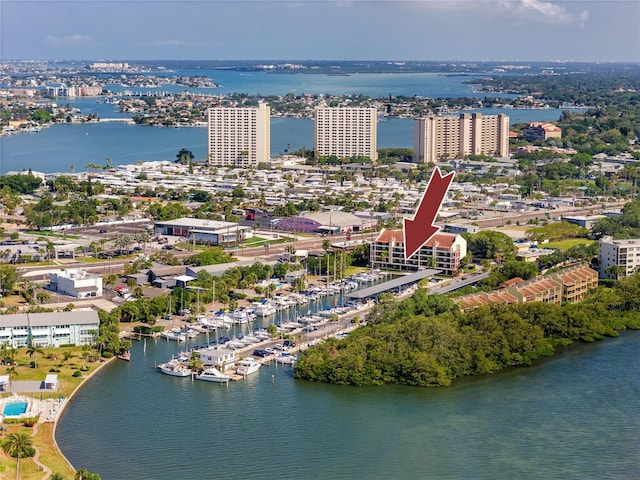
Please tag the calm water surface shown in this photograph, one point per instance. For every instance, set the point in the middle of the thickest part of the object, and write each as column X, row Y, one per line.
column 57, row 148
column 574, row 416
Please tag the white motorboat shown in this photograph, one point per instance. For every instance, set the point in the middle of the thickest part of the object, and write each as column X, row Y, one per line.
column 212, row 374
column 264, row 309
column 175, row 369
column 286, row 359
column 247, row 366
column 173, row 335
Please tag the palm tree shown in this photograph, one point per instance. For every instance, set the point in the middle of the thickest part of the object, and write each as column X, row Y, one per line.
column 194, row 361
column 43, row 297
column 18, row 445
column 32, row 350
column 66, row 356
column 13, row 373
column 184, row 156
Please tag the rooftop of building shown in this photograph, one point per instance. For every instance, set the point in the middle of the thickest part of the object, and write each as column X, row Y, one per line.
column 442, row 240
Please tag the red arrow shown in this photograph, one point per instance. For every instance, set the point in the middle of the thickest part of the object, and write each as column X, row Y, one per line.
column 418, row 231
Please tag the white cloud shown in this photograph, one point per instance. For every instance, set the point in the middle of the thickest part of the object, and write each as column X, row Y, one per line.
column 545, row 11
column 179, row 43
column 67, row 40
column 533, row 10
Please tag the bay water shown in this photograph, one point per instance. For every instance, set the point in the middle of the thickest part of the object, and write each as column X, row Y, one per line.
column 572, row 416
column 59, row 147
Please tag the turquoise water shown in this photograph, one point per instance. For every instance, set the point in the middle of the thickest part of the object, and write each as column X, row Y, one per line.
column 573, row 416
column 14, row 409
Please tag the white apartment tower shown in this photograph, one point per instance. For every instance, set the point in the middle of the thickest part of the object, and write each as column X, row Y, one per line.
column 239, row 137
column 440, row 138
column 624, row 255
column 346, row 132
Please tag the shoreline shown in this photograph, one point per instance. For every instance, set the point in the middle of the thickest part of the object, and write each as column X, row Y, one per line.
column 66, row 402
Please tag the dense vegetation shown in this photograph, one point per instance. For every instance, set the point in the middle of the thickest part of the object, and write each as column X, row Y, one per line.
column 426, row 341
column 627, row 225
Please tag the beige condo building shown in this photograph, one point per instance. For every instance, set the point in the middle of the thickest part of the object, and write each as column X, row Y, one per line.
column 239, row 137
column 346, row 132
column 439, row 138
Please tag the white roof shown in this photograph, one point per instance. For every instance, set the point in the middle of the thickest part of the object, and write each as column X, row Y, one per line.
column 51, row 379
column 184, row 278
column 77, row 317
column 4, row 379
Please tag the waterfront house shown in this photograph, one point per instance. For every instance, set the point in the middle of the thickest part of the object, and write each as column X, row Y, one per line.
column 217, row 357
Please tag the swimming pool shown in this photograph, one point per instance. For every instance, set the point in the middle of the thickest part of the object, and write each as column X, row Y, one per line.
column 14, row 409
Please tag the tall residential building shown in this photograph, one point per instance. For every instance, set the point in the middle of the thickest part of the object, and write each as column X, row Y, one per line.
column 440, row 138
column 346, row 132
column 239, row 137
column 623, row 255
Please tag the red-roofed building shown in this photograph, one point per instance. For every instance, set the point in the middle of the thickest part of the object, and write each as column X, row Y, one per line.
column 568, row 285
column 541, row 131
column 443, row 251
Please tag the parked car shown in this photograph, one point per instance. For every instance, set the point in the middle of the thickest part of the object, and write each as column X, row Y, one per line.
column 260, row 353
column 288, row 343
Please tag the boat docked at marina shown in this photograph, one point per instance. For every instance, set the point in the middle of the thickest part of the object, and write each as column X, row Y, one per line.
column 212, row 374
column 175, row 369
column 174, row 335
column 247, row 366
column 285, row 359
column 264, row 308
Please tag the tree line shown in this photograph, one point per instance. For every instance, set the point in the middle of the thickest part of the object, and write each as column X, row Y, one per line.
column 426, row 341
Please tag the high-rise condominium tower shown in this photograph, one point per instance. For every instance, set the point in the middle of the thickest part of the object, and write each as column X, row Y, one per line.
column 440, row 138
column 239, row 136
column 346, row 132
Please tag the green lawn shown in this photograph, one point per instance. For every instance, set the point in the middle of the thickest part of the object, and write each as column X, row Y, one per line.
column 45, row 233
column 568, row 243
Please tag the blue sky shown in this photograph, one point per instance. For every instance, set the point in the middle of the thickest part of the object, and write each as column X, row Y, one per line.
column 527, row 30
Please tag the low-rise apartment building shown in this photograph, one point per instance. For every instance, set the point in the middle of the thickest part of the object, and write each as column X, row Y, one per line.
column 541, row 131
column 568, row 285
column 443, row 251
column 50, row 329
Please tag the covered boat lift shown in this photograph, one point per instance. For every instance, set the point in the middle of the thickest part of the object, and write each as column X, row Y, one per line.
column 396, row 285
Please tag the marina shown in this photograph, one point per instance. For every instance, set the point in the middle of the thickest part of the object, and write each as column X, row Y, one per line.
column 251, row 345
